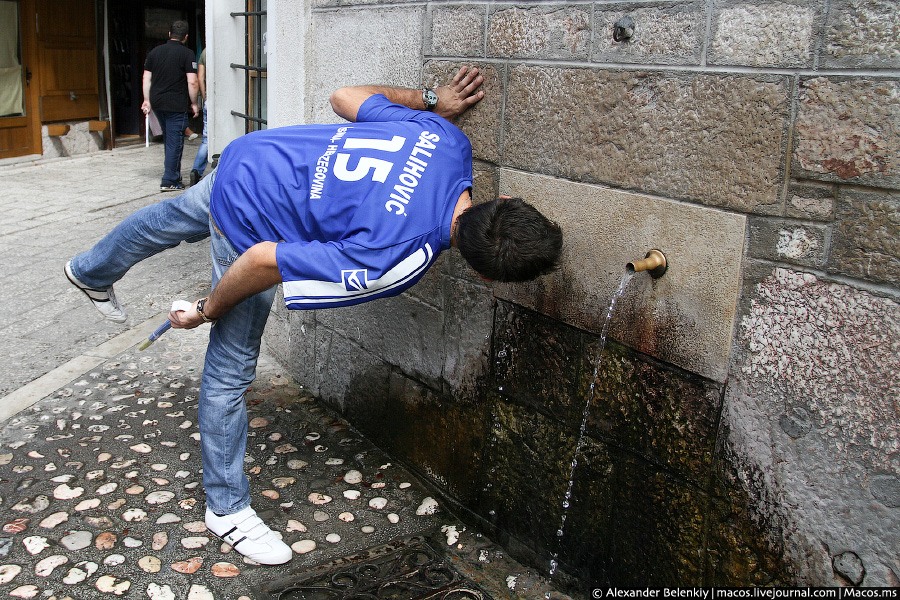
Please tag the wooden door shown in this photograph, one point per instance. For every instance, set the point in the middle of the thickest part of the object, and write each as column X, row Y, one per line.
column 67, row 55
column 20, row 125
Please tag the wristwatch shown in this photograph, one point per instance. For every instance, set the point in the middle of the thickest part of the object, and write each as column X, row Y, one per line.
column 429, row 99
column 200, row 304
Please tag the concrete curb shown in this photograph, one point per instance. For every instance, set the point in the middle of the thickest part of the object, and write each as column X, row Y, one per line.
column 43, row 386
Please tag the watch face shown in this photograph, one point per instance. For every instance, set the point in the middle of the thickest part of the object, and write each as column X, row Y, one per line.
column 430, row 98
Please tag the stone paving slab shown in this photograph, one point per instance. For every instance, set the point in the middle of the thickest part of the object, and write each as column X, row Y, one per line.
column 101, row 496
column 53, row 209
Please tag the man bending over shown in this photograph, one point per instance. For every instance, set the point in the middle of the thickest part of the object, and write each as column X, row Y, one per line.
column 339, row 215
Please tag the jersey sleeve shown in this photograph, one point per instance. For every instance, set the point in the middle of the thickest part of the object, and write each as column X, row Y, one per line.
column 378, row 108
column 334, row 274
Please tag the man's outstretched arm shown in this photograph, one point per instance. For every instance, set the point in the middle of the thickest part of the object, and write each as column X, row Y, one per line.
column 453, row 99
column 254, row 271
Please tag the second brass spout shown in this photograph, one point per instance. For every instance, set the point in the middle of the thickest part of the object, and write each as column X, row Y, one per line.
column 654, row 263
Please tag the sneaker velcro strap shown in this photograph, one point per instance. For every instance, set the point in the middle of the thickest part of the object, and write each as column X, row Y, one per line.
column 97, row 295
column 252, row 527
column 231, row 535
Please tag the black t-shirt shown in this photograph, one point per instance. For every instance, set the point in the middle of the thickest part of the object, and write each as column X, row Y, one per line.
column 170, row 63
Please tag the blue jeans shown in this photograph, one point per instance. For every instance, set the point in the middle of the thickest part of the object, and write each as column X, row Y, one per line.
column 234, row 340
column 231, row 356
column 146, row 232
column 173, row 124
column 203, row 150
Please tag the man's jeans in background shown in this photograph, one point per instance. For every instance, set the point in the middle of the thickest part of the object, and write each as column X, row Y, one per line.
column 203, row 150
column 173, row 125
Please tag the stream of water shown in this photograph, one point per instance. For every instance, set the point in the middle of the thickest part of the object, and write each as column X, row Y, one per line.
column 554, row 564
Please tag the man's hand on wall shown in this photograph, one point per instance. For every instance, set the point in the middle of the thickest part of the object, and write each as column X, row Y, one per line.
column 462, row 93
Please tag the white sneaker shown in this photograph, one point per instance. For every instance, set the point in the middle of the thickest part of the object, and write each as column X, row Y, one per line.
column 103, row 300
column 247, row 534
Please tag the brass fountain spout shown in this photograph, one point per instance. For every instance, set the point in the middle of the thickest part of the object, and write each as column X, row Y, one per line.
column 654, row 263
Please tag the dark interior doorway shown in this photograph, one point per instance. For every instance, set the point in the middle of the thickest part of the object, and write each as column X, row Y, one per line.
column 135, row 28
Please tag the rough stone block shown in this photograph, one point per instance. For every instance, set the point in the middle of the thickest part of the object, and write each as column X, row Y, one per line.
column 765, row 34
column 429, row 288
column 534, row 364
column 664, row 33
column 301, row 349
column 629, row 523
column 458, row 30
column 710, row 138
column 486, row 179
column 812, row 416
column 788, row 241
column 351, row 3
column 743, row 549
column 468, row 320
column 557, row 31
column 77, row 140
column 633, row 524
column 528, row 456
column 684, row 318
column 441, row 437
column 345, row 373
column 348, row 48
column 862, row 33
column 401, row 331
column 657, row 412
column 814, row 202
column 866, row 242
column 481, row 123
column 846, row 131
column 832, row 350
column 293, row 341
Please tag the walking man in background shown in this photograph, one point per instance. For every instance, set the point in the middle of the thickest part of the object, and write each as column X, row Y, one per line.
column 339, row 214
column 203, row 151
column 170, row 91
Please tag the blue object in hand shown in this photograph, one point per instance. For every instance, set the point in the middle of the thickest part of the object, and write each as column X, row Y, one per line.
column 156, row 334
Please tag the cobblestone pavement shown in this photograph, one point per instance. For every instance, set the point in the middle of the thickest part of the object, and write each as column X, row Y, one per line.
column 100, row 492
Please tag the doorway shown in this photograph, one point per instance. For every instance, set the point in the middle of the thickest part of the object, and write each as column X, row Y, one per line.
column 135, row 28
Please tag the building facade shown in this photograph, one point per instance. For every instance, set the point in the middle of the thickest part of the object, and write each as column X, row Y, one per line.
column 742, row 417
column 70, row 71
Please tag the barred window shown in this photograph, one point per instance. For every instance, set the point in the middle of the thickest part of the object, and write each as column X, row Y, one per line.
column 255, row 112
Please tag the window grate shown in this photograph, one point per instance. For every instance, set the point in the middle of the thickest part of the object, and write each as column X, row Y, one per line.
column 248, row 68
column 255, row 69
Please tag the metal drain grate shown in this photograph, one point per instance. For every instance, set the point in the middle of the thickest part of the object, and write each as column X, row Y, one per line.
column 410, row 568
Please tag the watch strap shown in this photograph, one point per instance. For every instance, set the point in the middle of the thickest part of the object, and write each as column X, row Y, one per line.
column 201, row 304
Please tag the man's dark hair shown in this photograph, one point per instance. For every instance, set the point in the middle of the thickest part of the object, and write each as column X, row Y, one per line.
column 179, row 30
column 507, row 239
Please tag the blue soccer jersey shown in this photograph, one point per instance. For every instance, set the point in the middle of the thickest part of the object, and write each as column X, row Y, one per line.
column 361, row 209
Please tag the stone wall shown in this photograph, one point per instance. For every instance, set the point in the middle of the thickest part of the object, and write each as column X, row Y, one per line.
column 743, row 420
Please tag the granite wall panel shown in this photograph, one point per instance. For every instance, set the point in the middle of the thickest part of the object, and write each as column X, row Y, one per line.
column 664, row 33
column 846, row 131
column 714, row 139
